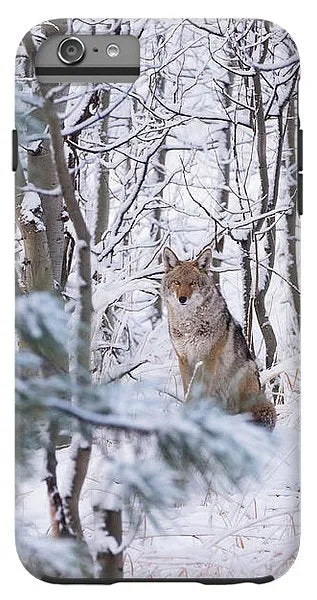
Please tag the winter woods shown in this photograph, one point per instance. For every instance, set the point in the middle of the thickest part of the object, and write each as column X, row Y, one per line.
column 200, row 150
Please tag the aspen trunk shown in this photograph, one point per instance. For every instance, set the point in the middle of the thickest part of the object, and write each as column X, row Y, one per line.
column 42, row 175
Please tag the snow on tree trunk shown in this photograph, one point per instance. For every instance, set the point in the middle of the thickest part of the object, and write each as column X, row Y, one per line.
column 158, row 177
column 107, row 538
column 223, row 167
column 37, row 268
column 109, row 557
column 43, row 176
column 103, row 200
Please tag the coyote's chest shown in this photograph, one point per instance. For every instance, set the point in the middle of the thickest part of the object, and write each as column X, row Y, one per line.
column 192, row 335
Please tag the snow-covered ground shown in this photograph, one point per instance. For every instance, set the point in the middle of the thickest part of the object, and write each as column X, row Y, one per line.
column 252, row 532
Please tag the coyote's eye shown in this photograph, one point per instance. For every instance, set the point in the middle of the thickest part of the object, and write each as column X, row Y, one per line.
column 176, row 282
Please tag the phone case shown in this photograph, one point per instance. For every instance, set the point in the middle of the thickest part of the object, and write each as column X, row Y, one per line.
column 157, row 258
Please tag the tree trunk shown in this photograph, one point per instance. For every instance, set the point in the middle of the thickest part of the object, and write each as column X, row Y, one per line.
column 110, row 561
column 259, row 303
column 81, row 448
column 42, row 174
column 292, row 215
column 156, row 230
column 223, row 164
column 247, row 295
column 102, row 218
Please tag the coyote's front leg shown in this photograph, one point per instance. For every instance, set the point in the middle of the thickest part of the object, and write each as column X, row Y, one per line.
column 186, row 372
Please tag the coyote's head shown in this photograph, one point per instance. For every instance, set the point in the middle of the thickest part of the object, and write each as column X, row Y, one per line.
column 184, row 280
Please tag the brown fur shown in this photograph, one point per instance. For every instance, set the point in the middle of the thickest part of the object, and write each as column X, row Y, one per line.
column 213, row 356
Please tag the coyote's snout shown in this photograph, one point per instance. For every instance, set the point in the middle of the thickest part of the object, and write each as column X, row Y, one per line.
column 213, row 355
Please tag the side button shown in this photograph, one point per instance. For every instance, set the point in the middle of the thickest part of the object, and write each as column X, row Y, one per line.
column 14, row 150
column 300, row 193
column 300, row 150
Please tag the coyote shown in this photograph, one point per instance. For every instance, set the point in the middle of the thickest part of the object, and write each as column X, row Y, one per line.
column 213, row 356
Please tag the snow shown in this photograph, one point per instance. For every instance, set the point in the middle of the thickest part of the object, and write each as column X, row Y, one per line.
column 249, row 533
column 31, row 210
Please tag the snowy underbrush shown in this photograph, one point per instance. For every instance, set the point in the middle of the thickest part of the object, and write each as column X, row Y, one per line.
column 215, row 530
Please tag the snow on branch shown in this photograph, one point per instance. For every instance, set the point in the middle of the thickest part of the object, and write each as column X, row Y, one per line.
column 46, row 557
column 198, row 436
column 42, row 324
column 292, row 60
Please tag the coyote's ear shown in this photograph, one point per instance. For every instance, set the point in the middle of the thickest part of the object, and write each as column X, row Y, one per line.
column 170, row 259
column 203, row 259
